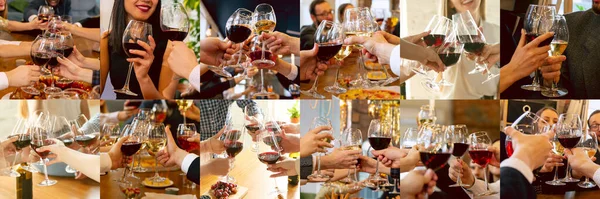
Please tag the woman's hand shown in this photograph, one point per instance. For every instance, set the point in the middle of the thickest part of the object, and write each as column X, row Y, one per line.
column 37, row 24
column 193, row 112
column 142, row 64
column 460, row 169
column 171, row 155
column 285, row 167
column 23, row 75
column 552, row 161
column 491, row 54
column 281, row 43
column 72, row 71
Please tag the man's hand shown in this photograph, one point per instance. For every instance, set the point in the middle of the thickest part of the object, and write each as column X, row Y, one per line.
column 312, row 141
column 533, row 150
column 285, row 167
column 552, row 161
column 215, row 144
column 281, row 43
column 418, row 183
column 340, row 159
column 460, row 169
column 182, row 59
column 171, row 155
column 290, row 143
column 23, row 75
column 116, row 157
column 213, row 51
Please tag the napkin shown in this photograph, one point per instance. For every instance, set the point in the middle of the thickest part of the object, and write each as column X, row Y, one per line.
column 167, row 196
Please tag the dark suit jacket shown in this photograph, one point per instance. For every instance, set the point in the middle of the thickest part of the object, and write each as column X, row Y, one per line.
column 63, row 8
column 193, row 173
column 581, row 70
column 307, row 37
column 515, row 185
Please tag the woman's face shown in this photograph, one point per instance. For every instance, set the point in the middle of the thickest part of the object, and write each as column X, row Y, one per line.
column 140, row 10
column 53, row 3
column 550, row 116
column 2, row 5
column 464, row 5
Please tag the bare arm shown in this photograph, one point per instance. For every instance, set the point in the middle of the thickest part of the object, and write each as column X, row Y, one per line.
column 7, row 51
column 88, row 33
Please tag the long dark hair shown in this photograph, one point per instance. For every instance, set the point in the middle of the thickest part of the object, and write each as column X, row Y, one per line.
column 118, row 24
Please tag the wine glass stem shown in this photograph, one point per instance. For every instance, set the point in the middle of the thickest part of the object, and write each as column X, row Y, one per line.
column 536, row 80
column 337, row 74
column 319, row 164
column 126, row 86
column 485, row 177
column 155, row 168
column 262, row 81
column 314, row 86
column 458, row 180
column 239, row 52
column 555, row 174
column 568, row 176
column 45, row 170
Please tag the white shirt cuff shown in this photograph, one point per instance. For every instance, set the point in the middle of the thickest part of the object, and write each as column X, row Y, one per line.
column 187, row 162
column 395, row 60
column 3, row 81
column 32, row 17
column 519, row 166
column 596, row 177
column 293, row 73
column 105, row 162
column 194, row 77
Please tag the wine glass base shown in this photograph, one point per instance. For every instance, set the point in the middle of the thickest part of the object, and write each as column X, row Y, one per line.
column 68, row 169
column 347, row 180
column 335, row 89
column 487, row 193
column 361, row 83
column 431, row 86
column 388, row 81
column 126, row 92
column 313, row 93
column 139, row 169
column 9, row 172
column 569, row 180
column 228, row 179
column 586, row 185
column 531, row 87
column 219, row 71
column 555, row 93
column 456, row 185
column 318, row 178
column 476, row 70
column 555, row 183
column 46, row 183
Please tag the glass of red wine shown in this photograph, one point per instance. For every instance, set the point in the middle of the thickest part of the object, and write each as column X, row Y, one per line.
column 42, row 135
column 160, row 111
column 538, row 21
column 527, row 123
column 557, row 48
column 589, row 143
column 185, row 131
column 234, row 143
column 472, row 37
column 135, row 31
column 253, row 123
column 45, row 12
column 156, row 140
column 435, row 39
column 131, row 146
column 330, row 37
column 174, row 21
column 449, row 52
column 379, row 140
column 434, row 147
column 459, row 134
column 269, row 153
column 479, row 144
column 65, row 43
column 317, row 122
column 23, row 141
column 44, row 51
column 239, row 29
column 569, row 130
column 261, row 57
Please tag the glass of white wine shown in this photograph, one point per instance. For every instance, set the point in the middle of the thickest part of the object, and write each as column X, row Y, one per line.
column 155, row 141
column 183, row 106
column 589, row 143
column 557, row 48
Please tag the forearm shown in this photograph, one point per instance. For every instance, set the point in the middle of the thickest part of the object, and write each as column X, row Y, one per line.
column 85, row 75
column 91, row 63
column 283, row 67
column 18, row 26
column 170, row 90
column 88, row 33
column 295, row 47
column 411, row 51
column 507, row 77
column 8, row 51
column 80, row 162
column 148, row 89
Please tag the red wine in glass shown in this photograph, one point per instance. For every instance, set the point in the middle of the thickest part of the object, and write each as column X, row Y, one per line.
column 569, row 141
column 379, row 143
column 35, row 144
column 252, row 128
column 509, row 148
column 481, row 157
column 270, row 157
column 67, row 51
column 40, row 58
column 44, row 17
column 135, row 104
column 269, row 141
column 187, row 145
column 531, row 36
column 233, row 148
column 257, row 55
column 475, row 47
column 175, row 35
column 66, row 141
column 327, row 51
column 129, row 148
column 434, row 161
column 132, row 46
column 449, row 59
column 53, row 62
column 379, row 20
column 459, row 149
column 22, row 142
column 160, row 116
column 434, row 40
column 85, row 140
column 238, row 33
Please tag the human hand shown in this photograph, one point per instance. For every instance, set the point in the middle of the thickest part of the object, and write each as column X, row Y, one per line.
column 528, row 57
column 340, row 159
column 213, row 51
column 552, row 161
column 312, row 141
column 311, row 67
column 37, row 24
column 418, row 183
column 533, row 150
column 551, row 68
column 182, row 59
column 23, row 75
column 491, row 54
column 171, row 155
column 285, row 167
column 281, row 43
column 142, row 64
column 460, row 169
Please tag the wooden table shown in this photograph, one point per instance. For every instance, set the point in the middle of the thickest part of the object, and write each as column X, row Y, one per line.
column 84, row 46
column 349, row 68
column 571, row 195
column 110, row 189
column 249, row 172
column 67, row 187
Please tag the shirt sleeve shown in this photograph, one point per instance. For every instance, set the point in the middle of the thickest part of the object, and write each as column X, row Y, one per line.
column 3, row 81
column 187, row 162
column 105, row 162
column 395, row 60
column 519, row 166
column 194, row 78
column 596, row 177
column 293, row 73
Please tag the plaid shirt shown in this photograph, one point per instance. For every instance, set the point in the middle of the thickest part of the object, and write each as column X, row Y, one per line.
column 96, row 78
column 213, row 114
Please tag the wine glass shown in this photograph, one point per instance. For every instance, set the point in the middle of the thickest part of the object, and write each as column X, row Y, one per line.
column 449, row 53
column 108, row 133
column 234, row 143
column 23, row 141
column 478, row 150
column 54, row 24
column 135, row 31
column 527, row 123
column 351, row 139
column 434, row 147
column 65, row 43
column 426, row 115
column 261, row 57
column 160, row 111
column 43, row 53
column 409, row 139
column 538, row 21
column 330, row 37
column 185, row 131
column 239, row 29
column 174, row 21
column 42, row 135
column 264, row 18
column 558, row 150
column 557, row 47
column 184, row 105
column 269, row 152
column 45, row 12
column 155, row 141
column 379, row 140
column 359, row 22
column 340, row 56
column 471, row 36
column 317, row 122
column 379, row 15
column 589, row 143
column 569, row 131
column 132, row 145
column 253, row 124
column 434, row 39
column 459, row 134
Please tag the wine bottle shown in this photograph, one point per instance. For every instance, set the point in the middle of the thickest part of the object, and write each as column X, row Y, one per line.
column 294, row 180
column 24, row 184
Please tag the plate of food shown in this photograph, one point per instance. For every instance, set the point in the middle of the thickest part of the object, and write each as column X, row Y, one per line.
column 222, row 190
column 371, row 94
column 149, row 183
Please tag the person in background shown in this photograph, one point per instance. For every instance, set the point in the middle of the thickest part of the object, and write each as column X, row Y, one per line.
column 319, row 10
column 7, row 25
column 61, row 7
column 342, row 10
